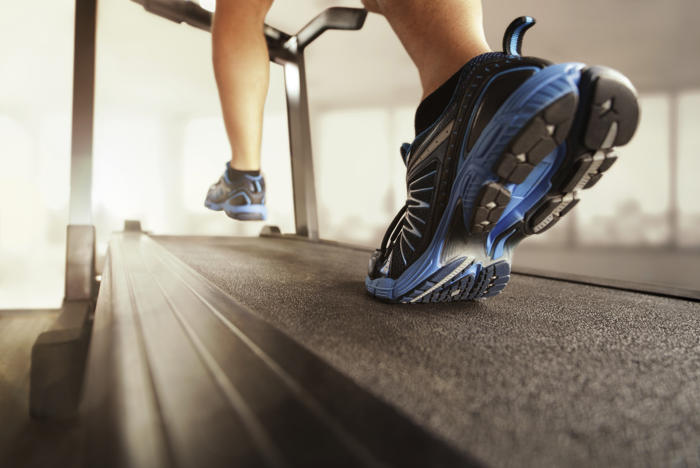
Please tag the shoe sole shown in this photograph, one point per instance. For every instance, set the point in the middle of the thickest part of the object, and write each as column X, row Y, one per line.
column 511, row 187
column 240, row 212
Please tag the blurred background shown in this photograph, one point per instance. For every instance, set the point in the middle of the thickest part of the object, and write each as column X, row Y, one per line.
column 160, row 142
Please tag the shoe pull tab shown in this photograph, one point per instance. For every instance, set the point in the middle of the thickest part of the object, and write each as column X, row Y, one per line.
column 513, row 38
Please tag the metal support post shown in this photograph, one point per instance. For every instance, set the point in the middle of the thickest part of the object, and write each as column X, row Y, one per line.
column 305, row 206
column 83, row 112
column 58, row 355
column 80, row 249
column 305, row 209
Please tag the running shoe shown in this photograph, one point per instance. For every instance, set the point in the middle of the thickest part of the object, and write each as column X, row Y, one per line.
column 519, row 141
column 242, row 197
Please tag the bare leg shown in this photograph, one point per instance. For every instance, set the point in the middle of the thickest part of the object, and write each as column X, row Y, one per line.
column 440, row 36
column 241, row 66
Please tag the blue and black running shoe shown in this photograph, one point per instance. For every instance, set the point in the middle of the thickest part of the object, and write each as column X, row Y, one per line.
column 241, row 197
column 509, row 156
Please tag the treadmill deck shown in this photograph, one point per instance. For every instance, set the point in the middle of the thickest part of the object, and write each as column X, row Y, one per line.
column 547, row 373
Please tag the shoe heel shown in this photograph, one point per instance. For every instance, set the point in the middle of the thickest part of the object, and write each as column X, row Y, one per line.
column 608, row 116
column 613, row 110
column 609, row 113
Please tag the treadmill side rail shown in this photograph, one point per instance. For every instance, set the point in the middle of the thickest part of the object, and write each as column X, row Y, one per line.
column 181, row 374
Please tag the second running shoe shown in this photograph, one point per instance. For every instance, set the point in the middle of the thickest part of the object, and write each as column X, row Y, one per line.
column 241, row 196
column 509, row 156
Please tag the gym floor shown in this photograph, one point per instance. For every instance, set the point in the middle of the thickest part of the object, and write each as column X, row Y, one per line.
column 20, row 436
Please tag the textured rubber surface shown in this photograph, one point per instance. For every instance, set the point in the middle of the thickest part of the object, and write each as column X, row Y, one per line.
column 562, row 148
column 607, row 117
column 472, row 282
column 490, row 203
column 542, row 134
column 550, row 374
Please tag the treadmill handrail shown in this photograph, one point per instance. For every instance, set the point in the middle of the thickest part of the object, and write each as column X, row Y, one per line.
column 349, row 19
column 179, row 12
column 189, row 12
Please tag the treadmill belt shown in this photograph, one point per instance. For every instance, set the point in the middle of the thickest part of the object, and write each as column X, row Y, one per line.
column 547, row 373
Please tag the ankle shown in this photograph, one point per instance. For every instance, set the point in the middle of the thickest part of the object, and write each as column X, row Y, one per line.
column 435, row 74
column 436, row 101
column 242, row 165
column 232, row 172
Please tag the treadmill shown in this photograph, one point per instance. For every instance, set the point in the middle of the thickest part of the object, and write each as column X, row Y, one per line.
column 266, row 351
